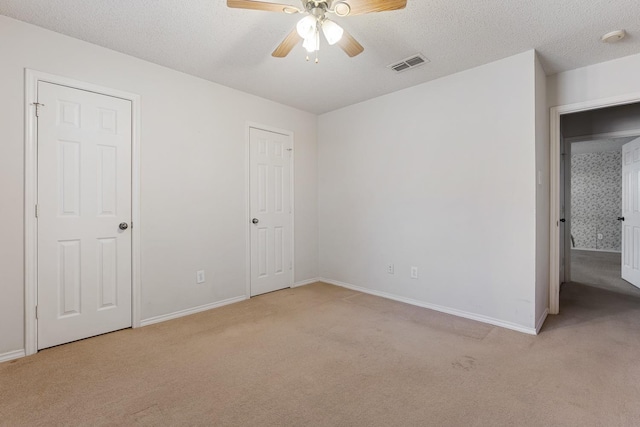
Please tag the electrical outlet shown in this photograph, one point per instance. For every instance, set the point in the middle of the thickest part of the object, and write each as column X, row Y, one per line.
column 600, row 237
column 414, row 272
column 390, row 268
column 200, row 276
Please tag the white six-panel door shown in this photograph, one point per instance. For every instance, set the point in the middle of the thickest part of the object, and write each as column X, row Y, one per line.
column 84, row 195
column 271, row 211
column 631, row 212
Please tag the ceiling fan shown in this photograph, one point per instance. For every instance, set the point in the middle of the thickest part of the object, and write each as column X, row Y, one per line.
column 308, row 28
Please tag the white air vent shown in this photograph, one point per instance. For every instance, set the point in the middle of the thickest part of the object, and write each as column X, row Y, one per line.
column 411, row 62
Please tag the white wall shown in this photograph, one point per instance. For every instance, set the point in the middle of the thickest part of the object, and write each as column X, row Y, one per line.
column 440, row 176
column 542, row 194
column 192, row 173
column 599, row 81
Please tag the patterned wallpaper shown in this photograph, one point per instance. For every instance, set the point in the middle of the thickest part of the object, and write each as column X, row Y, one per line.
column 596, row 200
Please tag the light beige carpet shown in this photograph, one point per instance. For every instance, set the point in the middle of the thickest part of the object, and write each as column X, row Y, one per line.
column 326, row 356
column 600, row 270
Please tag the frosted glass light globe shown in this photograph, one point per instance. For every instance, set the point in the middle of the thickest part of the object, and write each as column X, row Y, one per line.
column 332, row 31
column 306, row 27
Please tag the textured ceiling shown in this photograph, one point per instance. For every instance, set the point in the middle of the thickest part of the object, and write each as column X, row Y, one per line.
column 233, row 47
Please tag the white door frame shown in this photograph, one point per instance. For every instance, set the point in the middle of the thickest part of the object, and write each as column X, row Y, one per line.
column 288, row 133
column 32, row 78
column 554, row 180
column 567, row 184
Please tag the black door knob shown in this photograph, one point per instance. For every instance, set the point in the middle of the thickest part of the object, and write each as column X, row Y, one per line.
column 255, row 220
column 123, row 226
column 562, row 220
column 620, row 218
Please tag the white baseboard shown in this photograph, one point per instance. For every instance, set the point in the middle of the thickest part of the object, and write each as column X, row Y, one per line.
column 442, row 309
column 306, row 282
column 5, row 357
column 187, row 312
column 541, row 321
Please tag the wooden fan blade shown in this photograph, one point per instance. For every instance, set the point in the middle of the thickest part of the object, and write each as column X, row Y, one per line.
column 261, row 5
column 289, row 42
column 350, row 45
column 360, row 7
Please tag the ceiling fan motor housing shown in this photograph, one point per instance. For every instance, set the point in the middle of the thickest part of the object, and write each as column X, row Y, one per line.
column 318, row 12
column 316, row 8
column 319, row 8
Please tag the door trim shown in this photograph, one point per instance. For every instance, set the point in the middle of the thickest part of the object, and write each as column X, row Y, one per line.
column 247, row 180
column 554, row 180
column 32, row 78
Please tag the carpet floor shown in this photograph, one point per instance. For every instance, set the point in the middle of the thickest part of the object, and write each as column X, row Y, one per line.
column 321, row 355
column 601, row 270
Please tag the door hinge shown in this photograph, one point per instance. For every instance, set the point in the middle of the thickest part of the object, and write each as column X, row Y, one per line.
column 36, row 311
column 38, row 105
column 36, row 211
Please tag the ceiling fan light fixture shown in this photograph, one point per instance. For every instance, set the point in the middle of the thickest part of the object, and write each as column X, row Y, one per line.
column 307, row 27
column 332, row 31
column 312, row 43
